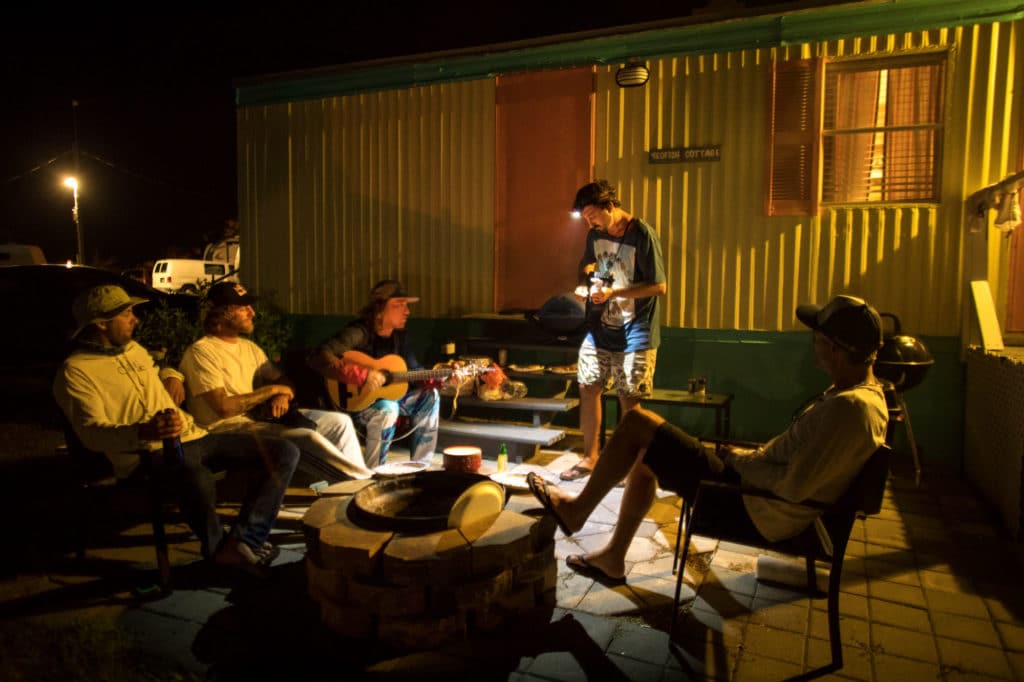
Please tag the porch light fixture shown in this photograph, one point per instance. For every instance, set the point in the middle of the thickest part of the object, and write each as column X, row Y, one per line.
column 634, row 74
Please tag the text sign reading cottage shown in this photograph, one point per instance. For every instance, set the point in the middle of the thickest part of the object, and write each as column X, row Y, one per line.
column 686, row 154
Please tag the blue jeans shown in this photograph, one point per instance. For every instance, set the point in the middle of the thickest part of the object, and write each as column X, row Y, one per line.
column 273, row 458
column 378, row 420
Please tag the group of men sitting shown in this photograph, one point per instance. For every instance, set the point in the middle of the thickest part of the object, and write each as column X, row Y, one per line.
column 240, row 407
column 241, row 413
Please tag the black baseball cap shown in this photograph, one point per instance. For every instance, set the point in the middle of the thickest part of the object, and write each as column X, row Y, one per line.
column 387, row 289
column 848, row 321
column 229, row 293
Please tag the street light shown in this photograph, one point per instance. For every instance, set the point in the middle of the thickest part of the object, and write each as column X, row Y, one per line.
column 72, row 182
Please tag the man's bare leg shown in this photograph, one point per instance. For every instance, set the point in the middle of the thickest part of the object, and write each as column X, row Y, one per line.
column 641, row 485
column 621, row 454
column 590, row 423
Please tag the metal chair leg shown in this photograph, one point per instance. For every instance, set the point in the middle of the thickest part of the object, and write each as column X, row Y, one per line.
column 684, row 518
column 682, row 563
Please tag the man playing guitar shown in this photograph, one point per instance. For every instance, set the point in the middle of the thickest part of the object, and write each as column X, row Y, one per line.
column 350, row 356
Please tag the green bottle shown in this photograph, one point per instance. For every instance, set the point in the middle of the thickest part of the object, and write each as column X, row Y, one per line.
column 502, row 457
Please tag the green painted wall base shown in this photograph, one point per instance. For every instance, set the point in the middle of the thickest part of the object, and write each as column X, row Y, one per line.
column 771, row 374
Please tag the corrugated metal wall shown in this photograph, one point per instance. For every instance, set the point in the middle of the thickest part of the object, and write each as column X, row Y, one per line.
column 336, row 194
column 730, row 266
column 400, row 183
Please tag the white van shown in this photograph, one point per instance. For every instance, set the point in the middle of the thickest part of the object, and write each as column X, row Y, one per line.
column 21, row 254
column 184, row 276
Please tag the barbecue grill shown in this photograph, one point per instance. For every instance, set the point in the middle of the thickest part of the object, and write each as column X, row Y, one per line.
column 902, row 363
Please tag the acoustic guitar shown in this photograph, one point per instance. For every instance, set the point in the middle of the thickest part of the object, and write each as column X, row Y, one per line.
column 353, row 398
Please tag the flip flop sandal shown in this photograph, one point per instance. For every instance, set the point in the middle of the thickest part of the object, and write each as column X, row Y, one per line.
column 575, row 473
column 579, row 563
column 539, row 488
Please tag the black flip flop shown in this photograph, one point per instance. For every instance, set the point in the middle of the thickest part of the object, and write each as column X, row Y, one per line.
column 579, row 563
column 539, row 488
column 575, row 473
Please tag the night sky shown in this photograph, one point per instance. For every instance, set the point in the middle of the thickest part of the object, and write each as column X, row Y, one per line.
column 156, row 117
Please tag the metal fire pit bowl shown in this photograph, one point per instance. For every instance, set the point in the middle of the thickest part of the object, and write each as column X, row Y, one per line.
column 416, row 504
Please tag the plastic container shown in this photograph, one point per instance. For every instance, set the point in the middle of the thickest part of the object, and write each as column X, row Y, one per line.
column 503, row 457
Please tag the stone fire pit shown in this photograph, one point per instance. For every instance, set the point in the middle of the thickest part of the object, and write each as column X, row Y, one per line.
column 420, row 590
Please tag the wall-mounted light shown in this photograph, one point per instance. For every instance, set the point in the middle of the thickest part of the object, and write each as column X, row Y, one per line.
column 634, row 74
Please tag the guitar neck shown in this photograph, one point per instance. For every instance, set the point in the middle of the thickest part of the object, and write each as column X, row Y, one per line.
column 421, row 375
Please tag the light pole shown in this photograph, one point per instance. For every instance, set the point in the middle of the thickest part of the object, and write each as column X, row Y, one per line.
column 73, row 184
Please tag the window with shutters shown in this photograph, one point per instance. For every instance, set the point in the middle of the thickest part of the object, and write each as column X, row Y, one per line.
column 873, row 127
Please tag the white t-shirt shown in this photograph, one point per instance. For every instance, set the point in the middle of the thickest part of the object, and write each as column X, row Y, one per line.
column 816, row 458
column 211, row 363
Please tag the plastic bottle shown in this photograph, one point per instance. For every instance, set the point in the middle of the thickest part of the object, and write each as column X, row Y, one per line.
column 502, row 457
column 174, row 456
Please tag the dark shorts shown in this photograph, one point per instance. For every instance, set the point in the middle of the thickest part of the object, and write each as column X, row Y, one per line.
column 678, row 460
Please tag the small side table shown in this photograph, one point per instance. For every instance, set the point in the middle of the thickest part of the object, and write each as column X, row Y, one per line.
column 719, row 402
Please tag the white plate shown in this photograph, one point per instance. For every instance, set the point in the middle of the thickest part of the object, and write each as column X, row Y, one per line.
column 400, row 468
column 513, row 480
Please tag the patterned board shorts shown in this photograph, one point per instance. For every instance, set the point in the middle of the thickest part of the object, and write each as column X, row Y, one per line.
column 632, row 374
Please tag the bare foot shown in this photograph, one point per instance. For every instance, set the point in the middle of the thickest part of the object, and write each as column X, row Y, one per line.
column 235, row 554
column 612, row 568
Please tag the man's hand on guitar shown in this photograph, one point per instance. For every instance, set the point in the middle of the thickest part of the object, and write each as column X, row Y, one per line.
column 375, row 379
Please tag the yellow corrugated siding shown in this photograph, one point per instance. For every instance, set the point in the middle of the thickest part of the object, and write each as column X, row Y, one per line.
column 336, row 194
column 728, row 264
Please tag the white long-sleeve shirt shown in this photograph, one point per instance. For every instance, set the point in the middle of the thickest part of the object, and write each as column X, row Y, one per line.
column 106, row 396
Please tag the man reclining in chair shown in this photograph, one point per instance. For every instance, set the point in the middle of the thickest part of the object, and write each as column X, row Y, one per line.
column 816, row 457
column 111, row 393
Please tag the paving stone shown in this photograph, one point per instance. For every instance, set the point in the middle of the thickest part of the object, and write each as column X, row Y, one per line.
column 852, row 630
column 659, row 566
column 196, row 606
column 1006, row 604
column 974, row 658
column 709, row 626
column 792, row 617
column 699, row 659
column 744, row 582
column 557, row 665
column 734, row 561
column 165, row 637
column 951, row 602
column 900, row 615
column 977, row 630
column 641, row 643
column 856, row 659
column 1012, row 636
column 889, row 667
column 901, row 594
column 778, row 593
column 634, row 669
column 880, row 569
column 656, row 591
column 774, row 643
column 898, row 641
column 944, row 582
column 1017, row 663
column 723, row 602
column 607, row 601
column 753, row 666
